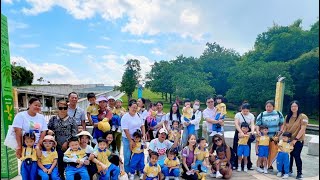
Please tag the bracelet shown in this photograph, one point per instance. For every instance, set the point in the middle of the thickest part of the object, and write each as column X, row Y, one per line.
column 296, row 139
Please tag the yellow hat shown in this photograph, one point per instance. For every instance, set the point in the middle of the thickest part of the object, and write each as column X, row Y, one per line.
column 104, row 125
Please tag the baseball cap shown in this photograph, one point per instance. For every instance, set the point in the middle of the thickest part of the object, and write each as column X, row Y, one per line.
column 111, row 97
column 163, row 130
column 101, row 98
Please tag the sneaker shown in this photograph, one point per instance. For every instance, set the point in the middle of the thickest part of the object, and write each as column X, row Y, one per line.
column 219, row 175
column 213, row 175
column 131, row 176
column 245, row 169
column 299, row 176
column 167, row 178
column 265, row 171
column 290, row 174
column 176, row 178
column 270, row 169
column 113, row 128
column 279, row 174
column 239, row 169
column 119, row 130
column 285, row 176
column 260, row 170
column 141, row 175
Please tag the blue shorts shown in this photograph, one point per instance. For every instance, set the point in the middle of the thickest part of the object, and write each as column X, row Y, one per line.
column 263, row 151
column 243, row 150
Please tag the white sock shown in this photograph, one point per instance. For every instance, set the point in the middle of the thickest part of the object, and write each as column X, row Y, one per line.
column 245, row 166
column 239, row 165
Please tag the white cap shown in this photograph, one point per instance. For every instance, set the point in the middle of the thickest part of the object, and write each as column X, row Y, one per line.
column 163, row 130
column 101, row 98
column 111, row 97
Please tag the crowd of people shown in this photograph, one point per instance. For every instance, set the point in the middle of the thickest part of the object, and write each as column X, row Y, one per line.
column 64, row 149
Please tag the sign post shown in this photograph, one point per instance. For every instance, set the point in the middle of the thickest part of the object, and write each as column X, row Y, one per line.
column 9, row 163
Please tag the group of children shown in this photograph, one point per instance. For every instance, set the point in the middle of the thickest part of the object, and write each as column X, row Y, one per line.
column 262, row 150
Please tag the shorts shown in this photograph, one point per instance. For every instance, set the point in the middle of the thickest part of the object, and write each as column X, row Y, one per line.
column 243, row 150
column 263, row 151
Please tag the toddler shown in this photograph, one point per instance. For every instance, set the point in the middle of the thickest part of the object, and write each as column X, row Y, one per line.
column 28, row 157
column 152, row 170
column 221, row 163
column 243, row 147
column 137, row 157
column 117, row 112
column 171, row 165
column 284, row 149
column 187, row 113
column 220, row 115
column 92, row 109
column 201, row 160
column 262, row 149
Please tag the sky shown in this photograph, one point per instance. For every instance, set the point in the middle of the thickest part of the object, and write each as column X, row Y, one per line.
column 89, row 41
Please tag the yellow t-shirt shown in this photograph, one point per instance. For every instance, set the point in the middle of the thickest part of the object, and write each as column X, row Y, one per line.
column 102, row 156
column 172, row 133
column 243, row 140
column 263, row 140
column 118, row 111
column 171, row 163
column 93, row 109
column 286, row 147
column 200, row 154
column 137, row 148
column 152, row 170
column 48, row 157
column 28, row 152
column 79, row 154
column 187, row 112
column 222, row 108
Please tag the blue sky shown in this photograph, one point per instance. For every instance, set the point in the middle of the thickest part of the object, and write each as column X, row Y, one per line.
column 76, row 42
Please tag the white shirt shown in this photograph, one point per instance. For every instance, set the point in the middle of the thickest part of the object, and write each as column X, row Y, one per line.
column 160, row 148
column 29, row 123
column 174, row 118
column 196, row 121
column 211, row 114
column 131, row 123
column 143, row 114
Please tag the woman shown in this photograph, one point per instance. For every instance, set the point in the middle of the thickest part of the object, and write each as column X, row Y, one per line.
column 64, row 128
column 159, row 118
column 173, row 115
column 218, row 141
column 296, row 123
column 243, row 116
column 130, row 123
column 104, row 112
column 274, row 121
column 143, row 113
column 30, row 121
column 195, row 120
column 188, row 157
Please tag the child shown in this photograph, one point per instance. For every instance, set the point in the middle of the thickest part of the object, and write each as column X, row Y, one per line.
column 221, row 163
column 201, row 160
column 117, row 112
column 86, row 138
column 243, row 147
column 151, row 119
column 175, row 132
column 47, row 164
column 100, row 157
column 171, row 165
column 152, row 169
column 284, row 149
column 93, row 108
column 137, row 157
column 28, row 157
column 187, row 113
column 262, row 149
column 75, row 157
column 220, row 115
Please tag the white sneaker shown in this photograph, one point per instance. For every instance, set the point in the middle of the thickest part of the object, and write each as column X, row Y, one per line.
column 285, row 176
column 260, row 170
column 213, row 175
column 218, row 175
column 239, row 169
column 279, row 174
column 245, row 169
column 176, row 178
column 119, row 129
column 113, row 128
column 141, row 175
column 265, row 171
column 131, row 176
column 167, row 178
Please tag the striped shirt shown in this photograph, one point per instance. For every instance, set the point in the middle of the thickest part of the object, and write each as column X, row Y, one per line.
column 273, row 120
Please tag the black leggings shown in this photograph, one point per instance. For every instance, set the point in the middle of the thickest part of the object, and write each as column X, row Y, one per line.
column 235, row 149
column 296, row 155
column 188, row 177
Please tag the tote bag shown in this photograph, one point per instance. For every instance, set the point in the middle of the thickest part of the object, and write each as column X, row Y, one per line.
column 10, row 140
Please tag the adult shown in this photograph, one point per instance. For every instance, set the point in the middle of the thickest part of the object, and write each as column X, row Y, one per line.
column 195, row 120
column 130, row 123
column 143, row 113
column 173, row 115
column 161, row 144
column 274, row 121
column 243, row 116
column 104, row 112
column 296, row 123
column 209, row 115
column 159, row 118
column 29, row 121
column 116, row 132
column 64, row 128
column 188, row 158
column 219, row 142
column 76, row 112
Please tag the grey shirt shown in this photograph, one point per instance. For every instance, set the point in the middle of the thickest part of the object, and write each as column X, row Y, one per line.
column 78, row 114
column 63, row 128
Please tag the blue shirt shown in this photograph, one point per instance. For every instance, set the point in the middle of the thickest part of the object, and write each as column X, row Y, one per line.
column 273, row 120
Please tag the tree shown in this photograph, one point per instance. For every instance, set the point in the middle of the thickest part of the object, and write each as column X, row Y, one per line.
column 130, row 78
column 21, row 76
column 41, row 79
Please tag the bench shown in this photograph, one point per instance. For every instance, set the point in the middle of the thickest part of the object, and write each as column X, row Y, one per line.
column 313, row 146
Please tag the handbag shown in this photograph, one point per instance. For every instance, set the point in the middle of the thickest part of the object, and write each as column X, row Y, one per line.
column 10, row 140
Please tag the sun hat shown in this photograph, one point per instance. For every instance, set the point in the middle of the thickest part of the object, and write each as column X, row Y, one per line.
column 50, row 138
column 111, row 97
column 163, row 130
column 85, row 133
column 102, row 98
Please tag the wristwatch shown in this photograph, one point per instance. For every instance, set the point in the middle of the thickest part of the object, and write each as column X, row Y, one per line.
column 296, row 139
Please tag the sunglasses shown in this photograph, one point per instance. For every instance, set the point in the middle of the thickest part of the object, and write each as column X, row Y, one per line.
column 45, row 143
column 217, row 140
column 63, row 108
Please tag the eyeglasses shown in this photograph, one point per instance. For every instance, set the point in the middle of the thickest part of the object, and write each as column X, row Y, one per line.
column 210, row 102
column 217, row 140
column 62, row 108
column 45, row 143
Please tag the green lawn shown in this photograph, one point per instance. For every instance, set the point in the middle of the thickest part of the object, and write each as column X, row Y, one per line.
column 313, row 121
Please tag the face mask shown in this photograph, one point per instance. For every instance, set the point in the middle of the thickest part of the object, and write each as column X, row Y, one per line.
column 196, row 107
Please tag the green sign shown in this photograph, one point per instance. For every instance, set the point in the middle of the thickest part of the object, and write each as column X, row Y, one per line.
column 9, row 163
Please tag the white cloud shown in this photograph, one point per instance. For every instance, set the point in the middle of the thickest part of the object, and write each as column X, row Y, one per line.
column 76, row 51
column 28, row 46
column 105, row 38
column 156, row 51
column 102, row 47
column 76, row 45
column 7, row 1
column 13, row 25
column 143, row 41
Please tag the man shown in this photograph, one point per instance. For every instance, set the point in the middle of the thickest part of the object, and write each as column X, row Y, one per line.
column 76, row 112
